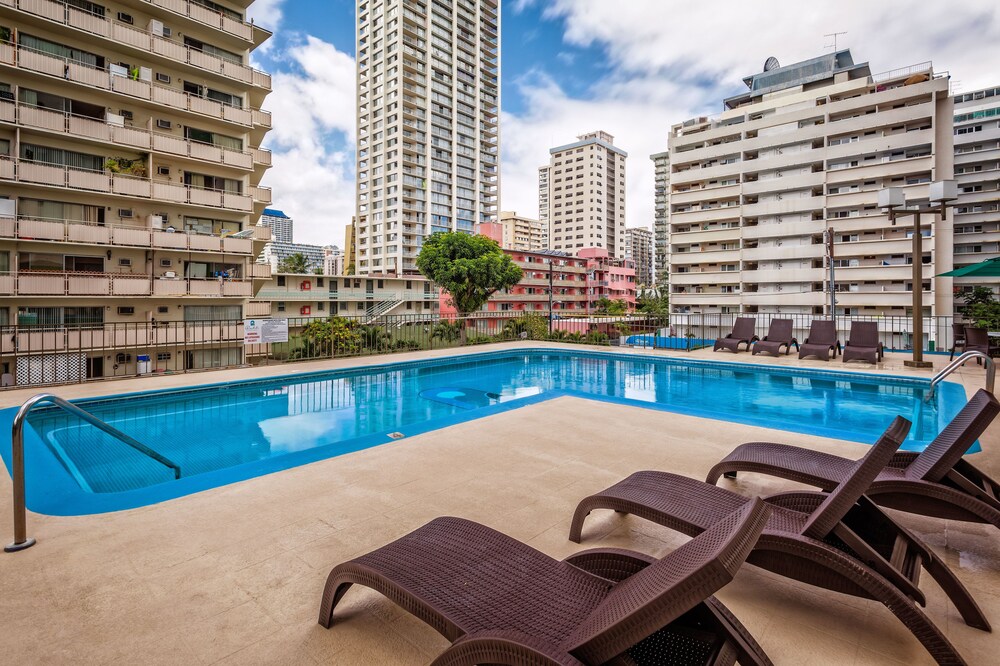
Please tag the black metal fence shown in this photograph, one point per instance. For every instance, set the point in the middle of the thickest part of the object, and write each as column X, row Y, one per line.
column 40, row 355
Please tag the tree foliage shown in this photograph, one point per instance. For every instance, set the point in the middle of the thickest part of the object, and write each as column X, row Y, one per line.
column 982, row 308
column 609, row 307
column 470, row 268
column 296, row 263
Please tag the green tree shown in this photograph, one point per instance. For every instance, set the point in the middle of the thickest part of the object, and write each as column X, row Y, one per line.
column 470, row 268
column 296, row 263
column 651, row 302
column 982, row 309
column 609, row 307
column 328, row 337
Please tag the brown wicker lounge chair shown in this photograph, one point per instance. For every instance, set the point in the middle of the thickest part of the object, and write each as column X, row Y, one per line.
column 863, row 344
column 937, row 482
column 978, row 339
column 839, row 541
column 742, row 334
column 779, row 334
column 957, row 339
column 502, row 602
column 821, row 341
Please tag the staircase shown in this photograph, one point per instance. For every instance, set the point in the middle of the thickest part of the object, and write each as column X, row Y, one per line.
column 380, row 309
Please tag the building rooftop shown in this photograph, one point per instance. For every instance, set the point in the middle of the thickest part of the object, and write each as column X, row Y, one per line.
column 774, row 77
column 274, row 212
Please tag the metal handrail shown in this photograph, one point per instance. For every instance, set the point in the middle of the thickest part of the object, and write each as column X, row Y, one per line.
column 991, row 370
column 21, row 540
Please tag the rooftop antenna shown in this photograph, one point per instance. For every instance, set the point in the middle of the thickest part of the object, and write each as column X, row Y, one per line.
column 833, row 35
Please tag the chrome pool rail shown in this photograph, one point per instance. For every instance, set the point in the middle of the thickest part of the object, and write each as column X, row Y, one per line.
column 991, row 370
column 21, row 540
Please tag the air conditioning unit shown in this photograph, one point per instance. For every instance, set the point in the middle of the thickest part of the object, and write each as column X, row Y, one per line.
column 164, row 124
column 125, row 212
column 156, row 27
column 155, row 222
column 145, row 74
column 114, row 119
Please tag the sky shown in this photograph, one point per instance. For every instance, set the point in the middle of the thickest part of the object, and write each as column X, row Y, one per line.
column 631, row 68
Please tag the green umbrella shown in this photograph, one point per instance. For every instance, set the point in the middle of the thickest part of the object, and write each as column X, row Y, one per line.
column 988, row 268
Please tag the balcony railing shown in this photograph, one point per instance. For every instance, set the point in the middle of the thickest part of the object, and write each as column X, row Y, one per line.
column 54, row 283
column 206, row 16
column 96, row 77
column 138, row 138
column 56, row 175
column 261, row 194
column 123, row 33
column 79, row 231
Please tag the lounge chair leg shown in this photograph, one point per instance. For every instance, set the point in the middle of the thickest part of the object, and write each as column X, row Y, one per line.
column 587, row 505
column 333, row 592
column 958, row 594
column 729, row 475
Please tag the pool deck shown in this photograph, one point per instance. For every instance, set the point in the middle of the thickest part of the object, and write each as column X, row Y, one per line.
column 233, row 575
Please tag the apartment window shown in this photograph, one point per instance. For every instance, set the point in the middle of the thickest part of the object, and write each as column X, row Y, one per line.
column 281, row 306
column 210, row 49
column 213, row 138
column 57, row 316
column 212, row 312
column 216, row 183
column 45, row 154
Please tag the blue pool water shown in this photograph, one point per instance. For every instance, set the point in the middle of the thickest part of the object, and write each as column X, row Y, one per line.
column 667, row 342
column 228, row 432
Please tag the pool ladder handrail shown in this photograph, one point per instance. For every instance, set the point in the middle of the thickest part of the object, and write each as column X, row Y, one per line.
column 991, row 370
column 21, row 540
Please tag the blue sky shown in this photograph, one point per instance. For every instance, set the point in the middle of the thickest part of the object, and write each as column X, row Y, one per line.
column 629, row 67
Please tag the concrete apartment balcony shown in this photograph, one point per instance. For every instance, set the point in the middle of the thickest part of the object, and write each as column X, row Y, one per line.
column 880, row 247
column 800, row 181
column 695, row 257
column 784, row 206
column 257, row 308
column 120, row 34
column 261, row 195
column 876, row 272
column 45, row 283
column 80, row 232
column 878, row 169
column 715, row 172
column 880, row 143
column 705, row 277
column 119, row 336
column 137, row 138
column 54, row 175
column 784, row 229
column 93, row 77
column 699, row 235
column 887, row 298
column 698, row 194
column 782, row 298
column 782, row 275
column 701, row 216
column 207, row 17
column 784, row 251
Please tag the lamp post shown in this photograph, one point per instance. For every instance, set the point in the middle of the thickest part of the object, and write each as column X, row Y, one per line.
column 551, row 270
column 942, row 194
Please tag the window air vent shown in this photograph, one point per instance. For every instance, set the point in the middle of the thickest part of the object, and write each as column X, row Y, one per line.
column 126, row 310
column 124, row 212
column 162, row 78
column 163, row 171
column 125, row 18
column 164, row 124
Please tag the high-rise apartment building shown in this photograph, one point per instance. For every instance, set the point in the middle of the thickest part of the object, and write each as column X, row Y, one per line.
column 516, row 232
column 280, row 225
column 130, row 159
column 807, row 148
column 977, row 170
column 428, row 137
column 639, row 250
column 583, row 188
column 661, row 200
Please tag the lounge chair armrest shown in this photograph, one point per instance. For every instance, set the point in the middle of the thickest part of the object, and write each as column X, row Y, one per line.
column 805, row 501
column 902, row 459
column 614, row 564
column 503, row 647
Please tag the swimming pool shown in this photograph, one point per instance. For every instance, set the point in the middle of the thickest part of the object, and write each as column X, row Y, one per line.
column 667, row 341
column 221, row 433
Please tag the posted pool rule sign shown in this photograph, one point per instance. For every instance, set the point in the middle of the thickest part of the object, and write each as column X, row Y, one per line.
column 256, row 331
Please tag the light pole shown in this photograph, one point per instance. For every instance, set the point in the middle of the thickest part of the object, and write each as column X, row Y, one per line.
column 893, row 200
column 550, row 295
column 828, row 238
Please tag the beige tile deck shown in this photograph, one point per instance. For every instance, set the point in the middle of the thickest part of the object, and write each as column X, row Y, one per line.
column 233, row 575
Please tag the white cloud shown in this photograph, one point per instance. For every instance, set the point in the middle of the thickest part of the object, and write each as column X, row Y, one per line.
column 266, row 13
column 313, row 110
column 669, row 63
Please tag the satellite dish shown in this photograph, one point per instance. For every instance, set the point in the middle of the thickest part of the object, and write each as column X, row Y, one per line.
column 771, row 63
